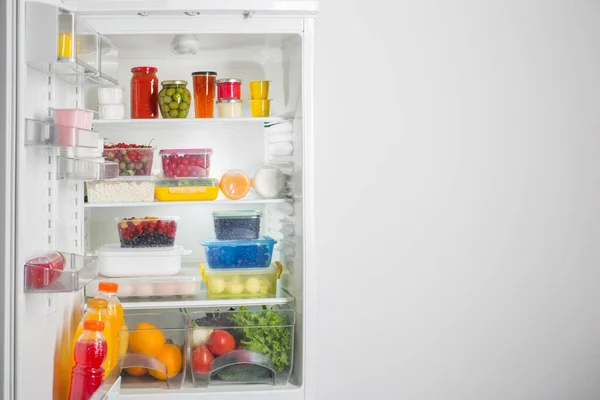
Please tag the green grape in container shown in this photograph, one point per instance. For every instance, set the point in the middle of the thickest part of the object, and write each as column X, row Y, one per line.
column 174, row 99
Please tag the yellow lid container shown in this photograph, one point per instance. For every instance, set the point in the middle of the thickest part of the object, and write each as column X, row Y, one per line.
column 186, row 189
column 242, row 283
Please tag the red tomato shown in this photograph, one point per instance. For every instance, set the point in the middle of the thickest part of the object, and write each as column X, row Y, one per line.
column 220, row 342
column 202, row 360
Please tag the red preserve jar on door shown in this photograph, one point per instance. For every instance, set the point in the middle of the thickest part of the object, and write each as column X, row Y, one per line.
column 144, row 92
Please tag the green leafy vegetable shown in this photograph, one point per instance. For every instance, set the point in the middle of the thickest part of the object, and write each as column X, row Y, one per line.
column 267, row 333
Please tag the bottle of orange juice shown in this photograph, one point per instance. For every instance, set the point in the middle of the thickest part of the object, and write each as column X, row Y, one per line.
column 97, row 310
column 108, row 292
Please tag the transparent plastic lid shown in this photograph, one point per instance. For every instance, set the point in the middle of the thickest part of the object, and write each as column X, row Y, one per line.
column 261, row 241
column 275, row 267
column 187, row 182
column 237, row 214
column 185, row 151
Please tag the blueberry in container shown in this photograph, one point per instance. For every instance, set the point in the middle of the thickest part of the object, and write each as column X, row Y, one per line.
column 237, row 225
column 239, row 253
column 147, row 232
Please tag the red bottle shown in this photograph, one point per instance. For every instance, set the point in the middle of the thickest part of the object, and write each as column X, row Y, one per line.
column 42, row 269
column 144, row 92
column 90, row 352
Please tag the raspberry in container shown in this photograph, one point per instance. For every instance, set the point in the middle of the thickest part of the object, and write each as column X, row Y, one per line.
column 147, row 231
column 133, row 159
column 185, row 163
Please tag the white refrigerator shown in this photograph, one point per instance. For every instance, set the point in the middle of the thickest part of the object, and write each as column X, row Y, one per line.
column 46, row 180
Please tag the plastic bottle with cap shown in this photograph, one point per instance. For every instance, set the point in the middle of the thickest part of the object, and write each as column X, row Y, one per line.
column 97, row 310
column 90, row 351
column 108, row 292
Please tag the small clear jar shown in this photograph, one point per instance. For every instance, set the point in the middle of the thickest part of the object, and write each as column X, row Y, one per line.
column 229, row 108
column 174, row 99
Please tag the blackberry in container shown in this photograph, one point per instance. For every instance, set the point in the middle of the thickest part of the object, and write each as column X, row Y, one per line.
column 237, row 225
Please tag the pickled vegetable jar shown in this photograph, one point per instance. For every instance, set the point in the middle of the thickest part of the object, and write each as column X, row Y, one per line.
column 204, row 93
column 174, row 99
column 144, row 92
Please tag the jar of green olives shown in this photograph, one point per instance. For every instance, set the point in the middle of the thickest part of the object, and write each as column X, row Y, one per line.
column 174, row 99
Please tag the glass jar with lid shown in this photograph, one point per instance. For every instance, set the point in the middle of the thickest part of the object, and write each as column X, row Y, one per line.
column 174, row 99
column 144, row 92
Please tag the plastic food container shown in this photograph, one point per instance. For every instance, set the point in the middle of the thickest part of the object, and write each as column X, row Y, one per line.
column 239, row 253
column 260, row 108
column 229, row 108
column 187, row 189
column 132, row 161
column 259, row 90
column 111, row 111
column 42, row 269
column 174, row 99
column 185, row 163
column 263, row 340
column 110, row 95
column 241, row 283
column 115, row 261
column 186, row 283
column 237, row 225
column 134, row 189
column 229, row 89
column 147, row 232
column 75, row 117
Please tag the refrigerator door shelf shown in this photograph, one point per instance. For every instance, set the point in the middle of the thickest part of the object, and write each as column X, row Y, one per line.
column 44, row 280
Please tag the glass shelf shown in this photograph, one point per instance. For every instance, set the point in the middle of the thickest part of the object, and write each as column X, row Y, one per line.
column 48, row 134
column 86, row 169
column 44, row 280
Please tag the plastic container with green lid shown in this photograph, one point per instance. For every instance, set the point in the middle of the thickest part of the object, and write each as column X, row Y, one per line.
column 237, row 225
column 186, row 189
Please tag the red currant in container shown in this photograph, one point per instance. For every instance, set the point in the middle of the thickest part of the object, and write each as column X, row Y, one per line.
column 185, row 163
column 144, row 92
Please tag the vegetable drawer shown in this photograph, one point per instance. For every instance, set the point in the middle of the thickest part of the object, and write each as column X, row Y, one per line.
column 249, row 345
column 241, row 283
column 239, row 253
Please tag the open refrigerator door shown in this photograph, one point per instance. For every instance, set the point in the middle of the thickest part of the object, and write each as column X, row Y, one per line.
column 167, row 147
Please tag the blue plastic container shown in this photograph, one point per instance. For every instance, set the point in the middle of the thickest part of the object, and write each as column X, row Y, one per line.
column 239, row 253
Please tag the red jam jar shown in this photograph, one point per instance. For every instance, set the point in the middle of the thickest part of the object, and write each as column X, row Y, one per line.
column 229, row 89
column 144, row 92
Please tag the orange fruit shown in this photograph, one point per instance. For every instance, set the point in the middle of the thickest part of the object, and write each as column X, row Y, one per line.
column 235, row 184
column 136, row 371
column 171, row 357
column 146, row 339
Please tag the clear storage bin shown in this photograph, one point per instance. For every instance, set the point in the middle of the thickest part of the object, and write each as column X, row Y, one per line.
column 115, row 262
column 241, row 283
column 239, row 253
column 237, row 225
column 262, row 340
column 135, row 189
column 154, row 350
column 131, row 160
column 187, row 189
column 186, row 283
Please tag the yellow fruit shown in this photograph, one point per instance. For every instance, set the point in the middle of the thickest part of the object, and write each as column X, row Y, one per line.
column 123, row 340
column 146, row 339
column 136, row 371
column 171, row 357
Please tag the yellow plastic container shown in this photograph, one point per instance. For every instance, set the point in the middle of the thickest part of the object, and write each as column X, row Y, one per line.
column 241, row 283
column 260, row 108
column 186, row 189
column 259, row 90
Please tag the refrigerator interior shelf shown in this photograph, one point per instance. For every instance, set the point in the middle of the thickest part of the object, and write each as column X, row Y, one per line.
column 44, row 280
column 219, row 202
column 49, row 134
column 171, row 123
column 86, row 169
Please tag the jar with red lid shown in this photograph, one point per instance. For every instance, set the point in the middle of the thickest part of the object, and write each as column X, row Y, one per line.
column 144, row 92
column 229, row 89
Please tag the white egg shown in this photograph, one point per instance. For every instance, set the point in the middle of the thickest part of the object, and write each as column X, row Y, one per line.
column 235, row 288
column 252, row 285
column 217, row 285
column 144, row 290
column 189, row 289
column 125, row 290
column 265, row 286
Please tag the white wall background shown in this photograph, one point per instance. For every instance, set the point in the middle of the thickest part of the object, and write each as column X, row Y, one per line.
column 458, row 160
